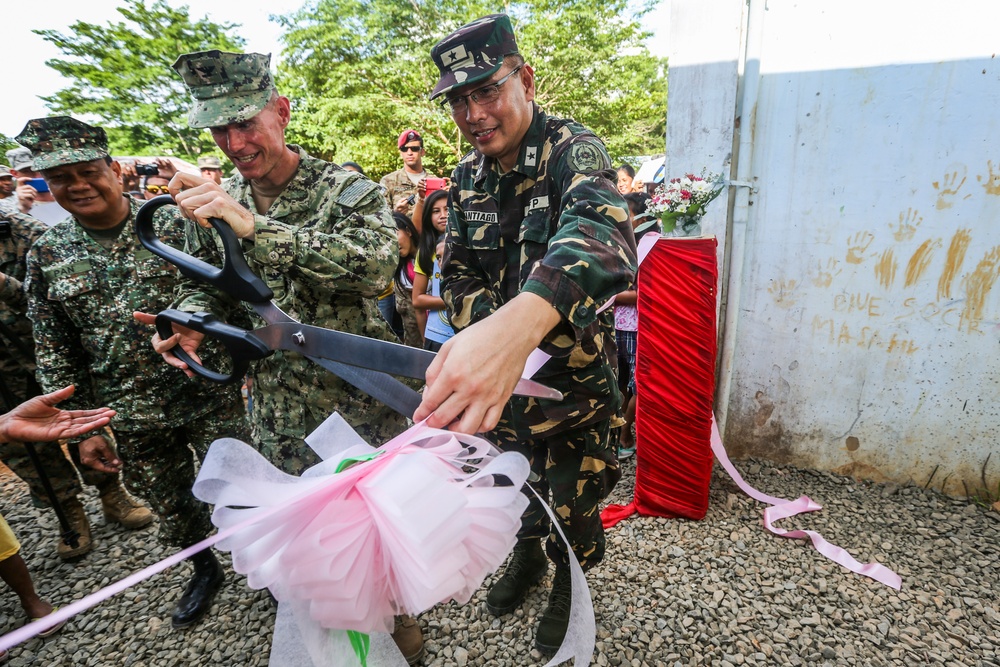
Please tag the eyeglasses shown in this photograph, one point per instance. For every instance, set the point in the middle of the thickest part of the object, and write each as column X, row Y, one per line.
column 157, row 189
column 485, row 95
column 411, row 149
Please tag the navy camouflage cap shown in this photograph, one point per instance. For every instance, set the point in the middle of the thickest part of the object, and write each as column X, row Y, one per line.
column 226, row 87
column 60, row 140
column 19, row 158
column 473, row 53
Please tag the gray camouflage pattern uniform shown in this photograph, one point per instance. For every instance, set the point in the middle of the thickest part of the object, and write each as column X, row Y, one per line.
column 81, row 296
column 556, row 226
column 326, row 247
column 17, row 372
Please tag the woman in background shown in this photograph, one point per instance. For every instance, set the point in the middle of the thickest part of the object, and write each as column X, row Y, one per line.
column 403, row 279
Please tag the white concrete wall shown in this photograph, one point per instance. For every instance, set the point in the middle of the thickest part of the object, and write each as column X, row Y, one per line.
column 865, row 335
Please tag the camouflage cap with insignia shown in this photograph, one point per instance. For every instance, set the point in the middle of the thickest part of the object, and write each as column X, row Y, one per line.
column 60, row 140
column 209, row 162
column 19, row 158
column 473, row 52
column 226, row 87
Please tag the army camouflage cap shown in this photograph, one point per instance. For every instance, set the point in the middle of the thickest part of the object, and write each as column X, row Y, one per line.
column 209, row 162
column 60, row 140
column 473, row 53
column 5, row 172
column 226, row 87
column 19, row 158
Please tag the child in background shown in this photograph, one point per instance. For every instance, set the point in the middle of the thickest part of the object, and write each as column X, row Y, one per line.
column 427, row 281
column 408, row 238
column 627, row 324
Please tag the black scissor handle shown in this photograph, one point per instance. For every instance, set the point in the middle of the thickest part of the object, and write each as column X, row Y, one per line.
column 242, row 345
column 235, row 277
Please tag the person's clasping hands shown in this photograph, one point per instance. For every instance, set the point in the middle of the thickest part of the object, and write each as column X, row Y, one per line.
column 188, row 339
column 200, row 199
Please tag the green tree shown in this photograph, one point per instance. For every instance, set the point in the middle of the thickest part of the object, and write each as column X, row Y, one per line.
column 121, row 75
column 359, row 72
column 6, row 143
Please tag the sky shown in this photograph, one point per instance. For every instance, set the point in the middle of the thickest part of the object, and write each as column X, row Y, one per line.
column 28, row 77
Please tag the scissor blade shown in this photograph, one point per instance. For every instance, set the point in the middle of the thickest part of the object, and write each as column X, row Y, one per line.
column 377, row 355
column 346, row 348
column 379, row 386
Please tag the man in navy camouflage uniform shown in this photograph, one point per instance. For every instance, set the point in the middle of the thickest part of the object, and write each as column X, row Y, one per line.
column 320, row 236
column 85, row 278
column 538, row 239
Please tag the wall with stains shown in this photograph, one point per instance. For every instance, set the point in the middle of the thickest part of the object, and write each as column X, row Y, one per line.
column 867, row 330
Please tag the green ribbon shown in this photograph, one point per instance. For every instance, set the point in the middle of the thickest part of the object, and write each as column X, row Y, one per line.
column 361, row 643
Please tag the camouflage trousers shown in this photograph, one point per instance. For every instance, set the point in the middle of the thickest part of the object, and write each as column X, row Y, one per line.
column 62, row 473
column 578, row 468
column 159, row 466
column 289, row 453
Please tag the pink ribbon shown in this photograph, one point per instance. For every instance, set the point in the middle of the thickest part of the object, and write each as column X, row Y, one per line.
column 784, row 509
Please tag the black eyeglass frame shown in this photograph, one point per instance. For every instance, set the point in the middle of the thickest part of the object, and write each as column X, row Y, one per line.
column 411, row 149
column 451, row 103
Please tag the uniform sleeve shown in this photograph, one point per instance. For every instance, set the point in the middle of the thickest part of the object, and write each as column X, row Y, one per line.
column 465, row 286
column 25, row 230
column 350, row 249
column 59, row 355
column 592, row 255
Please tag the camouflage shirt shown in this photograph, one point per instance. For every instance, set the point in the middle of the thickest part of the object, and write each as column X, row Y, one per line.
column 326, row 247
column 81, row 297
column 556, row 226
column 24, row 230
column 9, row 205
column 398, row 184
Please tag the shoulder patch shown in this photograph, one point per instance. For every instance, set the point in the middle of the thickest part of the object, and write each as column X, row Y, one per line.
column 587, row 156
column 356, row 191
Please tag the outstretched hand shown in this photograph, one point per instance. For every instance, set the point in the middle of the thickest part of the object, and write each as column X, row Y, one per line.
column 38, row 420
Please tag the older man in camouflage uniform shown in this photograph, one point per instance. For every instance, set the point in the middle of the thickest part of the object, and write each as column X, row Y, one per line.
column 320, row 236
column 538, row 239
column 86, row 277
column 17, row 384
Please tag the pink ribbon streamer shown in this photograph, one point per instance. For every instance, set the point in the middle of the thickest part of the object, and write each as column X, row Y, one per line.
column 302, row 641
column 784, row 509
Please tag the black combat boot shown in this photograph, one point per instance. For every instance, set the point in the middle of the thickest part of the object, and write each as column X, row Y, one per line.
column 197, row 598
column 526, row 568
column 555, row 619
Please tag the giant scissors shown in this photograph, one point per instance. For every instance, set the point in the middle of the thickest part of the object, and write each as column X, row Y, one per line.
column 366, row 363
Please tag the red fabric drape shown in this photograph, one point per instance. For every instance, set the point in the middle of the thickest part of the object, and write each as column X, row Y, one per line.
column 675, row 380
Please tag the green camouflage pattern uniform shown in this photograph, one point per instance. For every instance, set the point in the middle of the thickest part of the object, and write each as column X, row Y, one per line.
column 17, row 371
column 556, row 226
column 326, row 247
column 81, row 297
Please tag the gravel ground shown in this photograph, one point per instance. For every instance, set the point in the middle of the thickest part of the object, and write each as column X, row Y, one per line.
column 721, row 591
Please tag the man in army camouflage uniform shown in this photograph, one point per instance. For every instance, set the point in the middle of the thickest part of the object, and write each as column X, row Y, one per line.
column 8, row 198
column 86, row 277
column 320, row 236
column 211, row 168
column 539, row 238
column 403, row 182
column 17, row 384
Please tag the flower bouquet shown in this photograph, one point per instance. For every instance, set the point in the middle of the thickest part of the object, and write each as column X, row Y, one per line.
column 680, row 203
